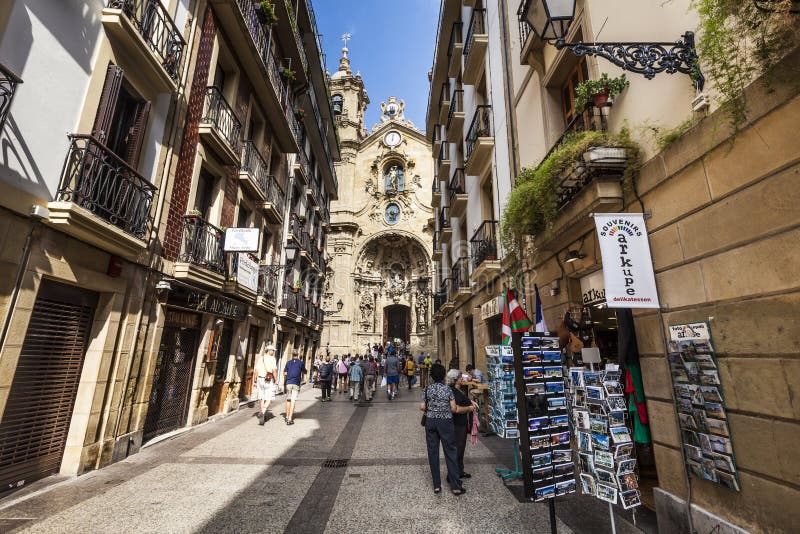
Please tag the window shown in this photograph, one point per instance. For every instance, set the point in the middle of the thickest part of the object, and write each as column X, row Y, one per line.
column 338, row 104
column 244, row 216
column 578, row 75
column 204, row 195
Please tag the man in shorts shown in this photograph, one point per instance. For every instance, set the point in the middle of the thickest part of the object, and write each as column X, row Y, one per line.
column 266, row 369
column 392, row 375
column 292, row 375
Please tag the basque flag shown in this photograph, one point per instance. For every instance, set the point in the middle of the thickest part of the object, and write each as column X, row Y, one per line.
column 541, row 324
column 514, row 317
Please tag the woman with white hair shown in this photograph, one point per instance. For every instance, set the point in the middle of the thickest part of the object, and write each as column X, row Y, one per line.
column 462, row 422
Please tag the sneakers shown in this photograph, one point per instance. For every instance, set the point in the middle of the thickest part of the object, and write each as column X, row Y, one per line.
column 289, row 422
column 260, row 416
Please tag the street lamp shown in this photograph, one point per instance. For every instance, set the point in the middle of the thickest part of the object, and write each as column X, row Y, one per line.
column 339, row 306
column 551, row 19
column 291, row 252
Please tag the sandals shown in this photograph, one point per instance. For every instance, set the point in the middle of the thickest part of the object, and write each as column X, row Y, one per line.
column 458, row 491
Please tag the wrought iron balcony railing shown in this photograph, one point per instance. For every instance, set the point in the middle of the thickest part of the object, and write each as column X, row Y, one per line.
column 444, row 217
column 261, row 38
column 218, row 112
column 457, row 185
column 201, row 244
column 456, row 106
column 254, row 164
column 291, row 300
column 297, row 128
column 477, row 26
column 444, row 95
column 8, row 86
column 444, row 153
column 275, row 194
column 484, row 243
column 524, row 28
column 441, row 296
column 295, row 227
column 268, row 281
column 98, row 180
column 158, row 30
column 459, row 274
column 305, row 241
column 481, row 126
column 455, row 39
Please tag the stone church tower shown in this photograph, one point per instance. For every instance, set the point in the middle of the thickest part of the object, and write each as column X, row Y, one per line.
column 381, row 228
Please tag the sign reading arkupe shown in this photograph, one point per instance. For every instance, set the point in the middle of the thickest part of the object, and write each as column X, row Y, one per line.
column 627, row 266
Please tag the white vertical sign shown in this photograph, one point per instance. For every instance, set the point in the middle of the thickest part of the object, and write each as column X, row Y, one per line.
column 247, row 272
column 627, row 266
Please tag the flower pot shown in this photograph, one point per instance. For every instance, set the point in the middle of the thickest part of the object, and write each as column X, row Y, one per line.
column 600, row 99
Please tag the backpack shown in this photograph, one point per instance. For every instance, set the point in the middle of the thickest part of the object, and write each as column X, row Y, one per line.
column 369, row 369
column 325, row 370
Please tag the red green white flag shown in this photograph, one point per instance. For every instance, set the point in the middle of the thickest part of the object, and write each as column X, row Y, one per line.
column 514, row 317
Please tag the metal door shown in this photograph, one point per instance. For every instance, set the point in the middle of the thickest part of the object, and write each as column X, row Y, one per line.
column 169, row 398
column 33, row 431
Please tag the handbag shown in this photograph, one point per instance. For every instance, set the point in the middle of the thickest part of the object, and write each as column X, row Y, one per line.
column 425, row 413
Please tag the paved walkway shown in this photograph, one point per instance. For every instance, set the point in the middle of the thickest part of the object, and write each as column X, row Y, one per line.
column 231, row 475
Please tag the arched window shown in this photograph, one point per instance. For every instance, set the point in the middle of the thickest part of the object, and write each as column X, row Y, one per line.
column 338, row 104
column 394, row 176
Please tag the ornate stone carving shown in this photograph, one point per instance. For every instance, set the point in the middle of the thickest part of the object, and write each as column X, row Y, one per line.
column 422, row 314
column 366, row 312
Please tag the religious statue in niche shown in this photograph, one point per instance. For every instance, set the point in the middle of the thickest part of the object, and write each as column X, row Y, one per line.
column 395, row 179
column 422, row 313
column 397, row 281
column 366, row 313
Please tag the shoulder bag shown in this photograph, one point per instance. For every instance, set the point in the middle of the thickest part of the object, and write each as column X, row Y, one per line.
column 425, row 413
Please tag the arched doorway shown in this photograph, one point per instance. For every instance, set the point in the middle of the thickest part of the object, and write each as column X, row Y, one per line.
column 396, row 323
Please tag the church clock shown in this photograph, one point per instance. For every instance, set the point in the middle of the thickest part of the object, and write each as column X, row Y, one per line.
column 392, row 139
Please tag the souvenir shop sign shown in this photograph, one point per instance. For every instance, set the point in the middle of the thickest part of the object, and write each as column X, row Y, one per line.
column 490, row 308
column 247, row 272
column 627, row 265
column 200, row 301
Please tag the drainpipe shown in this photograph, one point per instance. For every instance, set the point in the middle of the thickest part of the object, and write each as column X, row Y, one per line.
column 21, row 268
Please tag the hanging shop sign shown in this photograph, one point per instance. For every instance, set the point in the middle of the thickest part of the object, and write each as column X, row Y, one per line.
column 627, row 265
column 490, row 308
column 593, row 288
column 247, row 272
column 200, row 301
column 242, row 239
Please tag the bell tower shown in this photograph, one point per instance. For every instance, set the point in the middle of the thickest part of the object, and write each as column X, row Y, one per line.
column 349, row 100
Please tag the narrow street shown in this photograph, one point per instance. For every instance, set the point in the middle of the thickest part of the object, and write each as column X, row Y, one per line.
column 231, row 475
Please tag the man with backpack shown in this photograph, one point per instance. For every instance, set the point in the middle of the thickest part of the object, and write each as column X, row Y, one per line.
column 325, row 377
column 370, row 376
column 356, row 375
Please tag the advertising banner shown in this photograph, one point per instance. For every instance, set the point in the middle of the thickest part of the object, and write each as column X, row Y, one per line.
column 627, row 266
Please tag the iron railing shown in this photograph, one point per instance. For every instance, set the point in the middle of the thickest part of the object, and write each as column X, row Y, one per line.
column 477, row 26
column 524, row 28
column 96, row 179
column 253, row 164
column 8, row 86
column 261, row 38
column 218, row 112
column 444, row 94
column 457, row 185
column 291, row 299
column 295, row 227
column 305, row 241
column 481, row 126
column 444, row 153
column 444, row 217
column 441, row 296
column 298, row 130
column 484, row 243
column 158, row 30
column 268, row 281
column 297, row 40
column 302, row 160
column 456, row 106
column 275, row 194
column 201, row 244
column 459, row 274
column 455, row 38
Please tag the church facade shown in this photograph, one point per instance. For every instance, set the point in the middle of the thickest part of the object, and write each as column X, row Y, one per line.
column 380, row 271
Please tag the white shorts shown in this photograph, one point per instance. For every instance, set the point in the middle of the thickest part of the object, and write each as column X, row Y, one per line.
column 292, row 390
column 266, row 390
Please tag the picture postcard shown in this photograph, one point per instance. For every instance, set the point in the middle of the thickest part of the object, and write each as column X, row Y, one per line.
column 559, row 438
column 555, row 387
column 709, row 470
column 540, row 460
column 717, row 426
column 684, row 391
column 612, row 373
column 616, row 403
column 598, row 424
column 626, row 466
column 623, row 451
column 600, row 441
column 692, row 452
column 709, row 378
column 587, row 484
column 551, row 356
column 687, row 421
column 705, row 444
column 562, row 455
column 538, row 423
column 576, row 376
column 559, row 421
column 564, row 469
column 706, row 362
column 692, row 369
column 605, row 476
column 720, row 444
column 711, row 393
column 545, row 492
column 530, row 356
column 539, row 442
column 728, row 480
column 613, row 388
column 724, row 462
column 593, row 378
column 579, row 399
column 543, row 473
column 700, row 419
column 620, row 434
column 582, row 420
column 584, row 441
column 628, row 482
column 690, row 438
column 535, row 388
column 553, row 372
column 679, row 375
column 714, row 410
column 606, row 493
column 616, row 418
column 604, row 459
column 630, row 499
column 565, row 487
column 586, row 462
column 532, row 372
column 695, row 468
column 556, row 403
column 697, row 395
column 595, row 393
column 684, row 405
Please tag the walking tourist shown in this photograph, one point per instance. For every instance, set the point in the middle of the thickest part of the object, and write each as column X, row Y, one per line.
column 370, row 377
column 410, row 371
column 392, row 375
column 266, row 369
column 439, row 406
column 342, row 369
column 325, row 376
column 476, row 374
column 293, row 373
column 462, row 422
column 356, row 376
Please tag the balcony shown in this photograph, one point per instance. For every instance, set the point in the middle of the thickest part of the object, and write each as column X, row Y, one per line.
column 267, row 295
column 305, row 244
column 458, row 194
column 102, row 200
column 444, row 101
column 440, row 299
column 290, row 303
column 455, row 119
column 201, row 258
column 253, row 172
column 311, row 194
column 242, row 278
column 438, row 135
column 455, row 51
column 273, row 206
column 460, row 290
column 295, row 228
column 288, row 34
column 8, row 86
column 475, row 47
column 479, row 142
column 302, row 170
column 436, row 197
column 145, row 32
column 449, row 304
column 219, row 128
column 483, row 245
column 297, row 129
column 250, row 43
column 437, row 247
column 445, row 230
column 443, row 162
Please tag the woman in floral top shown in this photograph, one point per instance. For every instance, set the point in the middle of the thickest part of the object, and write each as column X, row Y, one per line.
column 439, row 405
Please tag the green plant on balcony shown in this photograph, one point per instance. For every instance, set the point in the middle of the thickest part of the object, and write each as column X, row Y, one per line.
column 288, row 73
column 300, row 113
column 532, row 205
column 597, row 92
column 297, row 286
column 290, row 12
column 265, row 12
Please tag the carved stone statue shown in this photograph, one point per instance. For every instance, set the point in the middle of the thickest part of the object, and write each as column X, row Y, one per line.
column 422, row 313
column 366, row 313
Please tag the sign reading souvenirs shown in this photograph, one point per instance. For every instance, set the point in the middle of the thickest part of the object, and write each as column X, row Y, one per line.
column 627, row 266
column 706, row 436
column 183, row 297
column 242, row 239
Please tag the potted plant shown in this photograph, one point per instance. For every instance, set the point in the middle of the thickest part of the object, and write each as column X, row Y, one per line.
column 265, row 12
column 288, row 73
column 193, row 215
column 299, row 113
column 298, row 285
column 598, row 92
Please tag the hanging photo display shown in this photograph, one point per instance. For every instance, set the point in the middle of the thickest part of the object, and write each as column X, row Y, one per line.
column 604, row 444
column 549, row 433
column 503, row 418
column 706, row 437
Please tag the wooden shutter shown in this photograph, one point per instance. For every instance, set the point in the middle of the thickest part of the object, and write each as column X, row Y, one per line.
column 108, row 102
column 133, row 148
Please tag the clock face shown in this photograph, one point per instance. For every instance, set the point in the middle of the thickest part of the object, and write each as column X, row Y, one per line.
column 392, row 139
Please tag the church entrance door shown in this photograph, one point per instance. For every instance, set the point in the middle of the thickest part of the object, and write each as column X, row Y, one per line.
column 396, row 322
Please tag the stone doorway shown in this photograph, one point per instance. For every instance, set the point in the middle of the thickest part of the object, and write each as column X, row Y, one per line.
column 396, row 322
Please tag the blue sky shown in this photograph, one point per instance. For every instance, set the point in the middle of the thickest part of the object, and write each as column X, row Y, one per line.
column 392, row 45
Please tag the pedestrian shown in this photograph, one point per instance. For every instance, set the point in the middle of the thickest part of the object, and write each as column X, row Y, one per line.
column 370, row 376
column 410, row 371
column 266, row 369
column 402, row 370
column 476, row 374
column 293, row 373
column 342, row 370
column 439, row 405
column 356, row 375
column 392, row 375
column 325, row 376
column 462, row 422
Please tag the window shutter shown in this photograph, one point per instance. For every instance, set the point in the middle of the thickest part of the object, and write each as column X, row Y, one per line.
column 108, row 102
column 133, row 147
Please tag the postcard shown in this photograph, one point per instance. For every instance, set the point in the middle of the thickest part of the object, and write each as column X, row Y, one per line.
column 532, row 372
column 706, row 362
column 616, row 403
column 584, row 441
column 598, row 424
column 620, row 434
column 553, row 372
column 728, row 480
column 695, row 468
column 562, row 455
column 705, row 444
column 684, row 405
column 534, row 388
column 565, row 487
column 684, row 391
column 717, row 426
column 539, row 442
column 556, row 403
column 529, row 356
column 700, row 418
column 586, row 462
column 605, row 476
column 674, row 359
column 711, row 393
column 576, row 376
column 552, row 356
column 587, row 484
column 687, row 421
column 564, row 469
column 623, row 451
column 579, row 399
column 538, row 423
column 714, row 410
column 709, row 470
column 720, row 444
column 692, row 369
column 559, row 421
column 702, row 346
column 616, row 418
column 630, row 499
column 595, row 393
column 604, row 459
column 555, row 387
column 596, row 410
column 709, row 378
column 545, row 492
column 540, row 460
column 559, row 438
column 582, row 420
column 606, row 493
column 543, row 473
column 724, row 462
column 626, row 466
column 697, row 395
column 600, row 441
column 628, row 482
column 692, row 452
column 679, row 375
column 592, row 378
column 613, row 388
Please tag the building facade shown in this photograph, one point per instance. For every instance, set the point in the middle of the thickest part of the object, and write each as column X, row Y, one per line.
column 717, row 252
column 380, row 288
column 180, row 231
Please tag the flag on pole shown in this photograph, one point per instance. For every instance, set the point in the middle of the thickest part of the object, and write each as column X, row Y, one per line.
column 514, row 317
column 541, row 324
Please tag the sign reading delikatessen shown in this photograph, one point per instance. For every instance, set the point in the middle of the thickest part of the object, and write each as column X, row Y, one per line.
column 247, row 272
column 242, row 239
column 627, row 266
